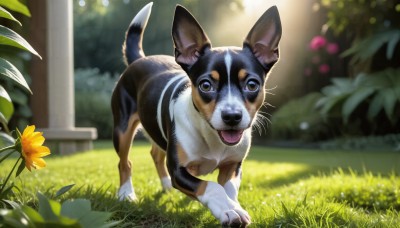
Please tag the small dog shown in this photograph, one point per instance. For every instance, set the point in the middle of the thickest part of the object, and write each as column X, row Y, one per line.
column 197, row 109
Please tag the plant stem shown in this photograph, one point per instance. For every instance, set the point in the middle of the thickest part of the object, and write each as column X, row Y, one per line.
column 9, row 175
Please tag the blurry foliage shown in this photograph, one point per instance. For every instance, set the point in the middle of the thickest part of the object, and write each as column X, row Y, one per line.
column 378, row 93
column 361, row 17
column 92, row 100
column 298, row 119
column 369, row 102
column 100, row 31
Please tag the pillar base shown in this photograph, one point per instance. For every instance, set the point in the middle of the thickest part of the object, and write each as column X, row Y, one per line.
column 69, row 141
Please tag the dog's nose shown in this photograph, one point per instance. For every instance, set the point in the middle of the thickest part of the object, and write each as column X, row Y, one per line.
column 231, row 116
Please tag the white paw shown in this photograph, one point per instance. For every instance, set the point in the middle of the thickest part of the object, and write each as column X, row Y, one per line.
column 235, row 218
column 229, row 212
column 127, row 192
column 166, row 183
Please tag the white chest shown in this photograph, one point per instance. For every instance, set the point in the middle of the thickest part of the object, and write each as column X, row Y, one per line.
column 204, row 151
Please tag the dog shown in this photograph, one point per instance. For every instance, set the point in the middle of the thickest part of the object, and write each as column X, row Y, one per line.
column 196, row 108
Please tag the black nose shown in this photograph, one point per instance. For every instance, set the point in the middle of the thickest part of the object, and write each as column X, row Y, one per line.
column 231, row 116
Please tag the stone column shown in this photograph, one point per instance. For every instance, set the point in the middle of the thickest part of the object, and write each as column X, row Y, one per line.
column 57, row 32
column 60, row 68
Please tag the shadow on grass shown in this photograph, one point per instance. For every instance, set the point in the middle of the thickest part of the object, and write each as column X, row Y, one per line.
column 290, row 178
column 162, row 209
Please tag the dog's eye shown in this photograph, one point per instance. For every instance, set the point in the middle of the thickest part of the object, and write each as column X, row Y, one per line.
column 252, row 85
column 206, row 86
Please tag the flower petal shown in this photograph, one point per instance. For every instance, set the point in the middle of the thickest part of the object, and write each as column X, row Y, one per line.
column 28, row 130
column 39, row 163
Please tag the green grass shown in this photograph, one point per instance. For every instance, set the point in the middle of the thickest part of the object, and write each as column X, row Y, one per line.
column 280, row 188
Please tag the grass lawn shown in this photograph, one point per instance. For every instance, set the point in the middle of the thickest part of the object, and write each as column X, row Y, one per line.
column 280, row 188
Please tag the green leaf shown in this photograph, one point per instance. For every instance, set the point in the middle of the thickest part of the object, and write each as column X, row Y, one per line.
column 5, row 14
column 13, row 204
column 330, row 103
column 16, row 6
column 6, row 106
column 21, row 168
column 392, row 45
column 80, row 209
column 19, row 97
column 48, row 209
column 32, row 214
column 6, row 139
column 10, row 71
column 366, row 48
column 64, row 190
column 11, row 38
column 354, row 101
column 95, row 219
column 75, row 209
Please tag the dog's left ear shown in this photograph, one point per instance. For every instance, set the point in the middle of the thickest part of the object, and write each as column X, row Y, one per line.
column 263, row 39
column 189, row 38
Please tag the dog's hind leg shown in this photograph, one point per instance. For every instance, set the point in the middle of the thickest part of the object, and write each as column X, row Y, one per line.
column 122, row 143
column 159, row 161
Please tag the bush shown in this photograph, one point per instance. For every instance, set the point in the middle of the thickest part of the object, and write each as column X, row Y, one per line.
column 92, row 100
column 370, row 102
column 298, row 119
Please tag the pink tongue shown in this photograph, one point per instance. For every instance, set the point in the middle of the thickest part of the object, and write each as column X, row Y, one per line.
column 231, row 136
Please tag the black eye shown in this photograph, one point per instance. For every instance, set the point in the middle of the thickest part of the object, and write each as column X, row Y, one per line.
column 252, row 85
column 206, row 86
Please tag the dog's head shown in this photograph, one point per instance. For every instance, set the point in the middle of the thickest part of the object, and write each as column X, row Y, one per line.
column 228, row 82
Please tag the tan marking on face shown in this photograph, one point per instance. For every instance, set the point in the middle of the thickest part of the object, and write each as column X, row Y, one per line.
column 215, row 75
column 242, row 74
column 206, row 109
column 253, row 107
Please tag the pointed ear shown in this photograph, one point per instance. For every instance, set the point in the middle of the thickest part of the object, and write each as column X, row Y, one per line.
column 189, row 38
column 263, row 38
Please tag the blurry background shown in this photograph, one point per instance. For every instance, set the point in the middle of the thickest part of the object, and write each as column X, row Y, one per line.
column 337, row 84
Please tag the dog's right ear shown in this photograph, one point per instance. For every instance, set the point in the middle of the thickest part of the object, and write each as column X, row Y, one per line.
column 189, row 38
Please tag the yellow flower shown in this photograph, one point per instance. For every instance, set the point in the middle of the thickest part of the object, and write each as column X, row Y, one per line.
column 32, row 149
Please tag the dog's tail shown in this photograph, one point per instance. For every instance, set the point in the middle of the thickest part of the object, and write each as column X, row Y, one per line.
column 132, row 47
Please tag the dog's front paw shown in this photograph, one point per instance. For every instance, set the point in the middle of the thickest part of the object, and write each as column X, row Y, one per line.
column 235, row 218
column 229, row 212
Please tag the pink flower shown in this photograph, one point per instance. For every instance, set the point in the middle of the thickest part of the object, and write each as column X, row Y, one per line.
column 317, row 43
column 324, row 68
column 332, row 48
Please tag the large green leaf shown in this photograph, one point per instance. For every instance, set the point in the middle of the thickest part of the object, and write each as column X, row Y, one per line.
column 11, row 38
column 48, row 209
column 366, row 48
column 16, row 6
column 354, row 101
column 80, row 209
column 328, row 104
column 6, row 106
column 5, row 14
column 10, row 71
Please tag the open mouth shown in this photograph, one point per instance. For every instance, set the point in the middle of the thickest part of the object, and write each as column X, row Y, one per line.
column 230, row 137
